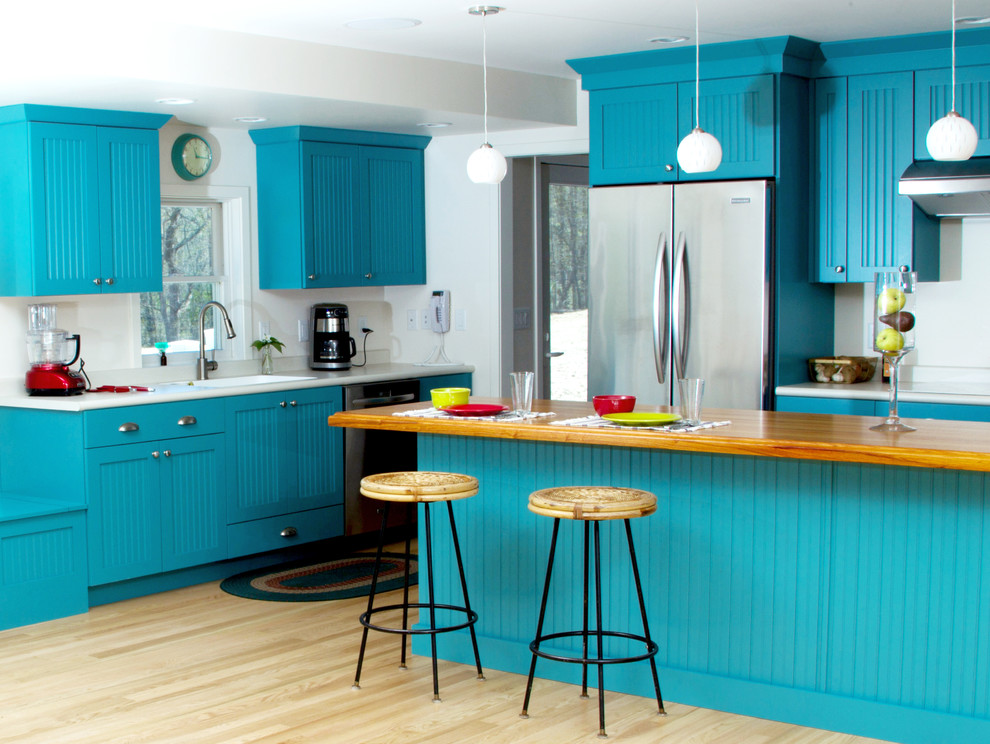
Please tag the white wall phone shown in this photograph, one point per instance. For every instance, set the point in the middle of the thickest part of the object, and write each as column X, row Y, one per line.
column 440, row 311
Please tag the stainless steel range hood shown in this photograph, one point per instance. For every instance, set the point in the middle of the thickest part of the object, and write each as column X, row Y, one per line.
column 949, row 189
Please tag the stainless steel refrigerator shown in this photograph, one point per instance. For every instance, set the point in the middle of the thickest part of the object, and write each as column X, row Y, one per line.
column 679, row 286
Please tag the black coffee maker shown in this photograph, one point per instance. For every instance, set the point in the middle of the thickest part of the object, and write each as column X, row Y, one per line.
column 332, row 346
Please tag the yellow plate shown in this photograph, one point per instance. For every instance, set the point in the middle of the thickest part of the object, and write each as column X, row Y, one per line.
column 642, row 419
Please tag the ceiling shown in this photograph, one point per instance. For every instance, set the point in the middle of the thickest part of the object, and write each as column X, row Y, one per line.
column 296, row 61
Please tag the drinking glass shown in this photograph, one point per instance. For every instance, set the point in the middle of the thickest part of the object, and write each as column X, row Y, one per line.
column 521, row 387
column 691, row 391
column 893, row 331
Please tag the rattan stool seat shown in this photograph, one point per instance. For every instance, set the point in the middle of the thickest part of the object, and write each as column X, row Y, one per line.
column 592, row 502
column 416, row 486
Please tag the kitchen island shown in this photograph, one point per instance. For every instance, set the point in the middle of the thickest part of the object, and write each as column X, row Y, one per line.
column 799, row 567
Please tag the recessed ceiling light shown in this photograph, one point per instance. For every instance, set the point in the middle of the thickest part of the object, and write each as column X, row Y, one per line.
column 382, row 24
column 973, row 21
column 668, row 39
column 435, row 124
column 250, row 119
column 175, row 101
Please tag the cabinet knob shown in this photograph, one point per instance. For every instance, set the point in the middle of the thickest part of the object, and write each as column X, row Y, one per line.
column 97, row 281
column 669, row 167
column 840, row 269
column 156, row 454
column 905, row 268
column 292, row 403
column 109, row 280
column 367, row 276
column 311, row 276
column 128, row 426
column 281, row 403
column 187, row 421
column 168, row 453
column 289, row 532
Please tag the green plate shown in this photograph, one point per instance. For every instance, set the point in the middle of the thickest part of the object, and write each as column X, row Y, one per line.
column 642, row 419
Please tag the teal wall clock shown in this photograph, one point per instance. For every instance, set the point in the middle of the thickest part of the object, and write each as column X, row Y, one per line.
column 192, row 156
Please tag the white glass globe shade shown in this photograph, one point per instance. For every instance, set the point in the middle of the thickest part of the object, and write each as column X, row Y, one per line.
column 952, row 137
column 699, row 152
column 486, row 165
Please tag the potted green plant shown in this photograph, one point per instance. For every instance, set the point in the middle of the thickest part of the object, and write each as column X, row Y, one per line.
column 265, row 345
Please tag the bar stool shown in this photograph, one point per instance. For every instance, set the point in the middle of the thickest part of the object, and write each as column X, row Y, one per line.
column 412, row 488
column 592, row 505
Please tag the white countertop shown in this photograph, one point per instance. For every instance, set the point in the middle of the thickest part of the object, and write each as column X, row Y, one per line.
column 959, row 393
column 292, row 379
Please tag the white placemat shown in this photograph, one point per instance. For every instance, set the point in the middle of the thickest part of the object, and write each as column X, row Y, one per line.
column 596, row 422
column 501, row 418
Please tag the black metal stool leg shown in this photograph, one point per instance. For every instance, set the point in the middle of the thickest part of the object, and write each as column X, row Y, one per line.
column 410, row 510
column 464, row 589
column 642, row 609
column 584, row 635
column 601, row 637
column 366, row 617
column 539, row 625
column 432, row 603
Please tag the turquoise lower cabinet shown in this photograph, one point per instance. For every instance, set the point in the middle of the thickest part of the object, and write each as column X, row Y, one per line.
column 155, row 506
column 426, row 384
column 951, row 411
column 282, row 457
column 933, row 99
column 905, row 409
column 340, row 208
column 846, row 406
column 42, row 562
column 865, row 140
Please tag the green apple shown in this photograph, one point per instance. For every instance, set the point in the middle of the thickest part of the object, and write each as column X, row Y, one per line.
column 889, row 340
column 890, row 300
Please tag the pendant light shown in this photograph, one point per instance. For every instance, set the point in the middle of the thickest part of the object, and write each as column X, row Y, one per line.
column 700, row 151
column 486, row 164
column 952, row 137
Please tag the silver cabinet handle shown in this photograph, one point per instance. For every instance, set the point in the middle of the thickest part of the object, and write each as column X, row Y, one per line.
column 282, row 403
column 289, row 532
column 97, row 281
column 292, row 403
column 553, row 354
column 168, row 453
column 311, row 277
column 840, row 269
column 661, row 309
column 367, row 276
column 155, row 454
column 668, row 167
column 128, row 426
column 109, row 280
column 905, row 268
column 187, row 421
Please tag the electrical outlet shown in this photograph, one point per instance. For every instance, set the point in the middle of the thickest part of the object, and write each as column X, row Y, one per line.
column 410, row 320
column 362, row 322
column 460, row 319
column 264, row 328
column 303, row 328
column 424, row 319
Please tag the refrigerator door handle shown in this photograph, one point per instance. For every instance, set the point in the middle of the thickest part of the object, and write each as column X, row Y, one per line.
column 661, row 309
column 681, row 304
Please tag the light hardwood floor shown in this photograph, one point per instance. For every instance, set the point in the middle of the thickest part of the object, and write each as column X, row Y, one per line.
column 200, row 666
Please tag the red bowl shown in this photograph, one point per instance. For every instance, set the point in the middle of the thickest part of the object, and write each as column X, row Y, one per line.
column 613, row 403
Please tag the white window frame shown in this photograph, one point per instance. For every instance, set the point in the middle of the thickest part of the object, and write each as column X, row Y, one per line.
column 235, row 237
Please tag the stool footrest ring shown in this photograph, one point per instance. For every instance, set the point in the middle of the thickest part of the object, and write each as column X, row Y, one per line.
column 651, row 648
column 472, row 618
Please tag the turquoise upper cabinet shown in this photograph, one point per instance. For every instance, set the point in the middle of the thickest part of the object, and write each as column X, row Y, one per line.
column 865, row 140
column 933, row 99
column 339, row 208
column 79, row 201
column 642, row 104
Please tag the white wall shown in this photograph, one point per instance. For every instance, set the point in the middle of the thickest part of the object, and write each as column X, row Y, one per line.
column 952, row 326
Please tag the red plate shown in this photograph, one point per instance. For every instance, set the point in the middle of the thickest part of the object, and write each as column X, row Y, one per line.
column 475, row 409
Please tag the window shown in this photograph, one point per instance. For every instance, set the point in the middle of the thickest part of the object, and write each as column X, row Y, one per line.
column 192, row 275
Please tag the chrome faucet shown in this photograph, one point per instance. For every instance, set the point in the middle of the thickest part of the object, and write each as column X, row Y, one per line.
column 202, row 365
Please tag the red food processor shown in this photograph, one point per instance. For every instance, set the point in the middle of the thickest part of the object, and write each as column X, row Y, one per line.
column 49, row 356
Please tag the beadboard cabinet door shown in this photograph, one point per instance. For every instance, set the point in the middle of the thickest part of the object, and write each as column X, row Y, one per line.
column 933, row 99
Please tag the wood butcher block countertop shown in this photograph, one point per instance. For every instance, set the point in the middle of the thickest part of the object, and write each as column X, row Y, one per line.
column 954, row 445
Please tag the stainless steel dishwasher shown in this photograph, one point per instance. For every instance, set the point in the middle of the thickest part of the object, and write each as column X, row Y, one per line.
column 367, row 451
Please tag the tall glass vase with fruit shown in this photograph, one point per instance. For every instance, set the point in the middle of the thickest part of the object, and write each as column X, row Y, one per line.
column 893, row 331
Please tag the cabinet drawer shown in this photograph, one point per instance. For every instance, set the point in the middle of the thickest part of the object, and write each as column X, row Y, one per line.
column 261, row 535
column 109, row 426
